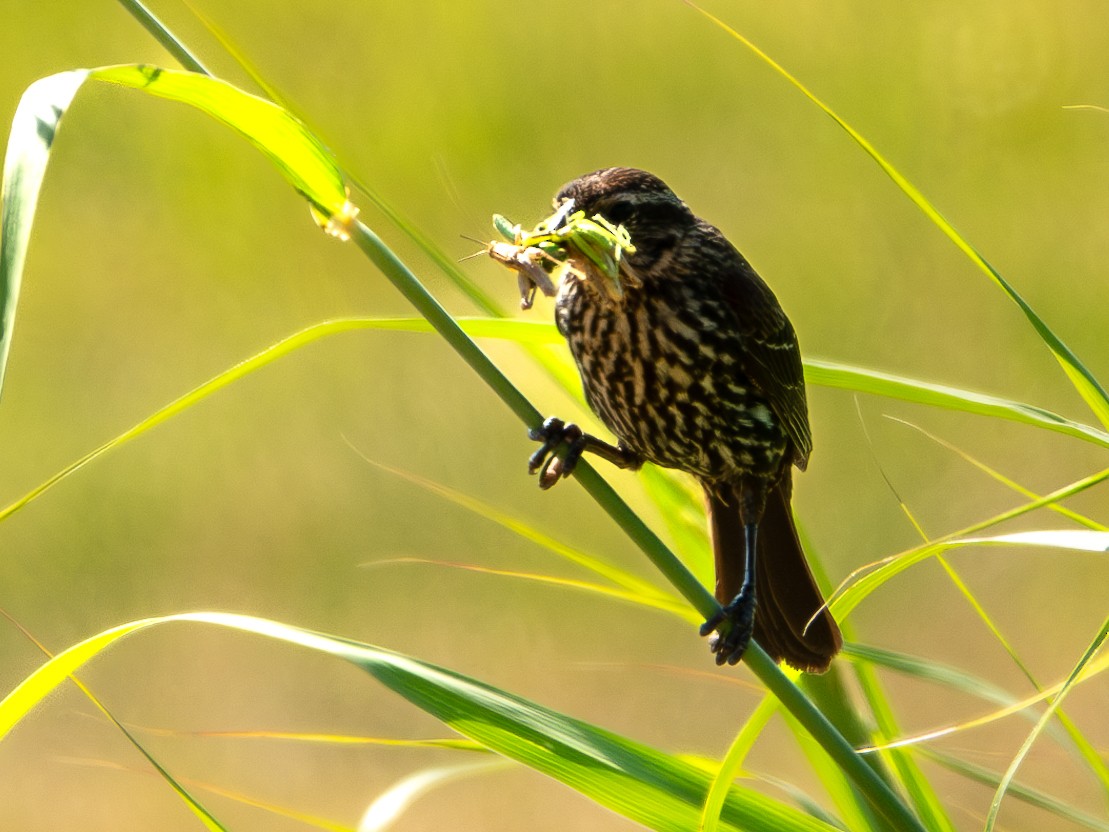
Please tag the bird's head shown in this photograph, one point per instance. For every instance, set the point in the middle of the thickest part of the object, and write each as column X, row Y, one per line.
column 638, row 200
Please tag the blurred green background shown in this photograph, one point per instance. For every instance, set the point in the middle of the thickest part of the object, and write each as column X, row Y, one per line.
column 166, row 249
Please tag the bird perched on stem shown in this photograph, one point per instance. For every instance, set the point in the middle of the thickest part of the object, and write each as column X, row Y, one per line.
column 693, row 365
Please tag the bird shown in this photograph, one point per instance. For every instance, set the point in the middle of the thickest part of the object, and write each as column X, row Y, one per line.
column 694, row 366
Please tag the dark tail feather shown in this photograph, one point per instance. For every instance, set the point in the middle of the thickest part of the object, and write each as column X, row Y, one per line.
column 786, row 590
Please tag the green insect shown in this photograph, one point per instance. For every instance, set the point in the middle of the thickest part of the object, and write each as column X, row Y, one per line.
column 592, row 247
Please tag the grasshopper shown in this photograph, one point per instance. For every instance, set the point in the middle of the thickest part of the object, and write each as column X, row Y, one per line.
column 591, row 247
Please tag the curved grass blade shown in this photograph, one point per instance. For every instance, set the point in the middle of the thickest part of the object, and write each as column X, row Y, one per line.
column 994, row 474
column 849, row 598
column 196, row 785
column 831, row 374
column 1083, row 380
column 286, row 142
column 732, row 763
column 655, row 789
column 668, row 605
column 1084, row 747
column 391, row 804
column 899, row 763
column 845, row 377
column 1026, row 746
column 34, row 127
column 282, row 348
column 635, row 586
column 312, row 738
column 1018, row 791
column 301, row 158
column 191, row 802
column 960, row 680
column 916, row 784
column 1021, row 707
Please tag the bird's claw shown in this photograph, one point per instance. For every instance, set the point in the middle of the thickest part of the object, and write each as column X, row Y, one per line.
column 730, row 643
column 551, row 467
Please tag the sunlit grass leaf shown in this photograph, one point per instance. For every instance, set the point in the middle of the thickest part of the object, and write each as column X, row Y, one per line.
column 301, row 158
column 1082, row 744
column 996, row 475
column 285, row 346
column 634, row 585
column 1018, row 791
column 650, row 787
column 34, row 126
column 391, row 804
column 1083, row 380
column 1010, row 773
column 651, row 601
column 285, row 141
column 732, row 764
column 834, row 375
column 950, row 678
column 683, row 512
column 194, row 805
column 1078, row 540
column 846, row 377
column 309, row 738
column 854, row 594
column 894, row 766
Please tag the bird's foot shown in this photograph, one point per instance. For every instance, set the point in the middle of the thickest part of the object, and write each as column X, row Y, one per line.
column 550, row 467
column 730, row 642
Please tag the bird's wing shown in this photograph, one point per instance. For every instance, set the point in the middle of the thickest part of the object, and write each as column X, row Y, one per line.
column 771, row 358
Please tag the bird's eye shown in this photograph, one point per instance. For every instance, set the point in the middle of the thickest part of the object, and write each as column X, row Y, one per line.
column 618, row 211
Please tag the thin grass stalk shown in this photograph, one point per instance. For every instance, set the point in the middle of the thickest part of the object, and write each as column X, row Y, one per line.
column 157, row 30
column 872, row 785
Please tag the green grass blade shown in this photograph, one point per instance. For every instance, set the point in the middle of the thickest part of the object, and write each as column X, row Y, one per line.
column 477, row 327
column 282, row 348
column 829, row 691
column 833, row 375
column 853, row 595
column 1083, row 380
column 956, row 679
column 918, row 787
column 650, row 787
column 293, row 149
column 619, row 577
column 996, row 475
column 303, row 160
column 672, row 606
column 732, row 763
column 1018, row 791
column 683, row 512
column 194, row 805
column 387, row 808
column 845, row 377
column 1084, row 747
column 32, row 135
column 1026, row 746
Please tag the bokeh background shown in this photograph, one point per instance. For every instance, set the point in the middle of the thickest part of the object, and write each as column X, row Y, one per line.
column 166, row 249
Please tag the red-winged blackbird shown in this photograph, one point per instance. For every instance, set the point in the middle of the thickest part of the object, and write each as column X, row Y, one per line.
column 696, row 367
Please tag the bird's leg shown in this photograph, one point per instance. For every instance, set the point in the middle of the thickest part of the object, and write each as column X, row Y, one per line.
column 731, row 643
column 554, row 433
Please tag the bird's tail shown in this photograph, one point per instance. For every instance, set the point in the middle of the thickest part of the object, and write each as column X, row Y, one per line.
column 786, row 591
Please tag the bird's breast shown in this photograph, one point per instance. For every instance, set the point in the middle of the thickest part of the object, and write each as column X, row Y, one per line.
column 662, row 370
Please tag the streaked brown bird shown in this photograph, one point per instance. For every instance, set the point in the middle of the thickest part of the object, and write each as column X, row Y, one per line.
column 695, row 366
